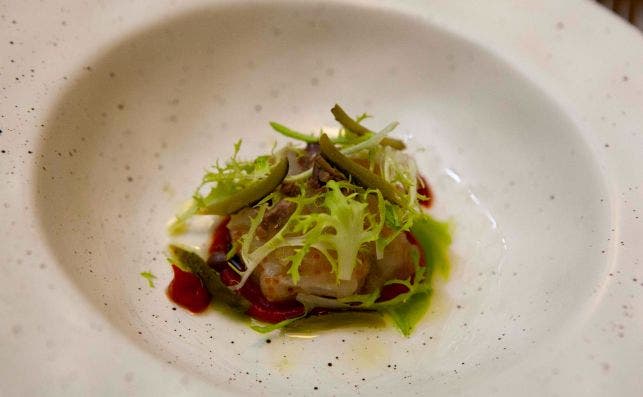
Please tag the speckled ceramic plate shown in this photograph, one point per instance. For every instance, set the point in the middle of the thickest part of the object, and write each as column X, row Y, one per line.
column 525, row 116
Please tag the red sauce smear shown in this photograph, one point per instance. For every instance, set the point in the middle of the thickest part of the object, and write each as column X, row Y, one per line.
column 221, row 240
column 424, row 189
column 187, row 290
column 390, row 291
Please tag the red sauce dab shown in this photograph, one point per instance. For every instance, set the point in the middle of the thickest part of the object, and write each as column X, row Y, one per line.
column 221, row 239
column 424, row 189
column 391, row 291
column 187, row 290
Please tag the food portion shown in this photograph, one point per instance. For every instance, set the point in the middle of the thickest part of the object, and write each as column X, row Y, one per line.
column 332, row 223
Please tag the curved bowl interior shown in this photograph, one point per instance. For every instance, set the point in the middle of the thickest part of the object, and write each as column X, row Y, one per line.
column 129, row 140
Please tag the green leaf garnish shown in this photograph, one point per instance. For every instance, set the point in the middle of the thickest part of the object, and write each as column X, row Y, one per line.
column 283, row 130
column 338, row 232
column 149, row 277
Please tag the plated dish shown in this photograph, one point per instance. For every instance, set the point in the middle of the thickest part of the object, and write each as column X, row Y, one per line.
column 335, row 226
column 111, row 111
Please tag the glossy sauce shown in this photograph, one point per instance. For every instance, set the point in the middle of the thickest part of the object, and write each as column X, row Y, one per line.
column 187, row 290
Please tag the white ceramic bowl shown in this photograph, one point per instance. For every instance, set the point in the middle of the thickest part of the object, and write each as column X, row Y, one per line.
column 544, row 195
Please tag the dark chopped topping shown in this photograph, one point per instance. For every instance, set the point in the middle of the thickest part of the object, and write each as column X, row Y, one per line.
column 275, row 218
column 289, row 189
column 324, row 172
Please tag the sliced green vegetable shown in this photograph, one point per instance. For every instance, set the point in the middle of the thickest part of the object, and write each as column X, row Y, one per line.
column 283, row 130
column 358, row 144
column 347, row 122
column 211, row 280
column 249, row 195
column 224, row 181
column 342, row 139
column 372, row 141
column 359, row 173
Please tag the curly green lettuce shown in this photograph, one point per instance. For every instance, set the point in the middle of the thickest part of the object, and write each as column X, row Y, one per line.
column 339, row 228
column 221, row 182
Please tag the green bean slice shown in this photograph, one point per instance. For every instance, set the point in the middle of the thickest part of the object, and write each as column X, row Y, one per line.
column 210, row 278
column 283, row 130
column 347, row 122
column 360, row 174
